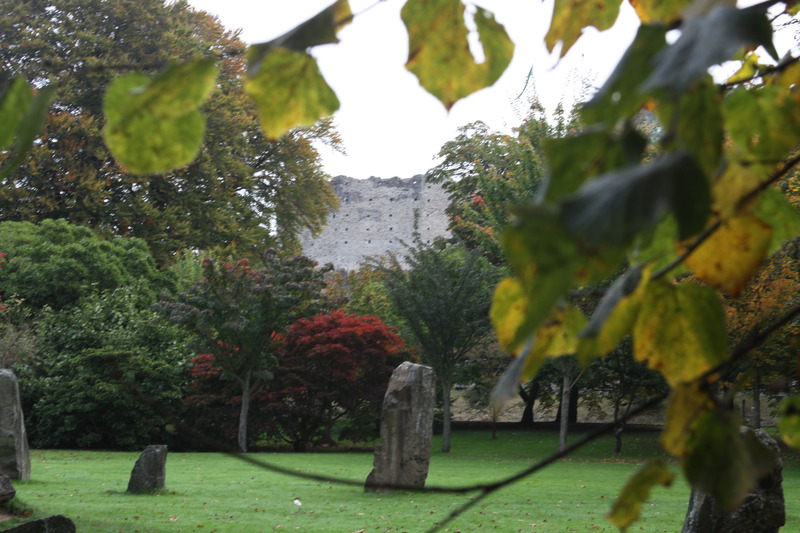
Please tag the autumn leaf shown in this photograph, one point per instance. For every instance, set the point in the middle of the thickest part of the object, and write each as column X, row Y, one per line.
column 660, row 12
column 570, row 17
column 636, row 491
column 763, row 122
column 680, row 330
column 438, row 49
column 789, row 421
column 774, row 209
column 614, row 316
column 732, row 254
column 686, row 404
column 155, row 125
column 508, row 311
column 722, row 461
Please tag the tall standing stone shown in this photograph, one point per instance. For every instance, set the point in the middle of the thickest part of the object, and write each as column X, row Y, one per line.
column 403, row 453
column 149, row 472
column 15, row 457
column 762, row 511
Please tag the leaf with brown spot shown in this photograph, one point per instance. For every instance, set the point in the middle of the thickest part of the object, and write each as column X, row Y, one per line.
column 570, row 17
column 732, row 254
column 680, row 330
column 438, row 49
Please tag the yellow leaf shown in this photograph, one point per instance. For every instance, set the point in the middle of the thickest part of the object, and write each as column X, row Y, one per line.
column 732, row 254
column 736, row 182
column 636, row 491
column 680, row 330
column 658, row 11
column 614, row 316
column 508, row 310
column 439, row 54
column 686, row 403
column 748, row 69
column 570, row 17
column 789, row 422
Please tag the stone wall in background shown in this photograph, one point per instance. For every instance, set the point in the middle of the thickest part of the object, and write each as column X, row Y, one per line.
column 374, row 216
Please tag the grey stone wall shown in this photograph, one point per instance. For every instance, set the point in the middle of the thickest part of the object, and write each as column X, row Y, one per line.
column 374, row 216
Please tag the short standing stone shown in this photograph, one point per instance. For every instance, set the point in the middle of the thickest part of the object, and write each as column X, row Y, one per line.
column 762, row 511
column 7, row 490
column 149, row 472
column 52, row 524
column 403, row 453
column 15, row 458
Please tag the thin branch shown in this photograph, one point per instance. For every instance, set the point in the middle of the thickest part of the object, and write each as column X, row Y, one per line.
column 710, row 230
column 765, row 72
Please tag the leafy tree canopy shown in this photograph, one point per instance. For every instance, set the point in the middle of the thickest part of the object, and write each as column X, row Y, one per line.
column 231, row 187
column 56, row 263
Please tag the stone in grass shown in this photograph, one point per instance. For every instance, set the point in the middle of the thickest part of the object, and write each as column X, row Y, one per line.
column 7, row 490
column 149, row 472
column 51, row 524
column 762, row 511
column 15, row 458
column 403, row 453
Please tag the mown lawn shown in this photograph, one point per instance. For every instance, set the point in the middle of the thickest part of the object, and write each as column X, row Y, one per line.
column 218, row 493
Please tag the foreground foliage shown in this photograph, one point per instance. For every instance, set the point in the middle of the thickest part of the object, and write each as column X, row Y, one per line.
column 706, row 203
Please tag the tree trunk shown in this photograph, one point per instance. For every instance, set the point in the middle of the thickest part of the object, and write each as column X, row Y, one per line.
column 566, row 386
column 529, row 398
column 243, row 413
column 757, row 399
column 617, row 426
column 445, row 416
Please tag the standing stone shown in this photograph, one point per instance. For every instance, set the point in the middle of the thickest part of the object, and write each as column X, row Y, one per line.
column 52, row 524
column 762, row 511
column 404, row 451
column 149, row 472
column 7, row 490
column 15, row 457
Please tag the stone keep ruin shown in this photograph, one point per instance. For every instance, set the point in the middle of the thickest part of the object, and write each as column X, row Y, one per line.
column 375, row 216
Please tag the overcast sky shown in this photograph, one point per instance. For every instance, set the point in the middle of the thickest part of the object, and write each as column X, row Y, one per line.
column 389, row 124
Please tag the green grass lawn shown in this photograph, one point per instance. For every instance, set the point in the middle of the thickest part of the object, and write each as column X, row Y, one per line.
column 212, row 492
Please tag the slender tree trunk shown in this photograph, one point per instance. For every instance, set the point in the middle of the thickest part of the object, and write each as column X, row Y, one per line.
column 566, row 386
column 243, row 413
column 617, row 426
column 757, row 399
column 445, row 416
column 529, row 398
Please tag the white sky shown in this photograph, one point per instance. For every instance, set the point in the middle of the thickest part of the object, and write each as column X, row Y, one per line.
column 389, row 124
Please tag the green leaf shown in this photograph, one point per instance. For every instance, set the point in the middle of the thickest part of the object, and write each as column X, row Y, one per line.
column 545, row 259
column 687, row 403
column 600, row 152
column 680, row 330
column 628, row 506
column 154, row 125
column 621, row 97
column 508, row 311
column 789, row 421
column 774, row 209
column 13, row 104
column 289, row 91
column 763, row 122
column 29, row 127
column 614, row 316
column 723, row 462
column 570, row 17
column 615, row 207
column 439, row 54
column 697, row 123
column 706, row 41
column 318, row 30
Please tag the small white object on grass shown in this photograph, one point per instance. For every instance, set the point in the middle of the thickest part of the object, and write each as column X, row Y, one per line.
column 297, row 502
